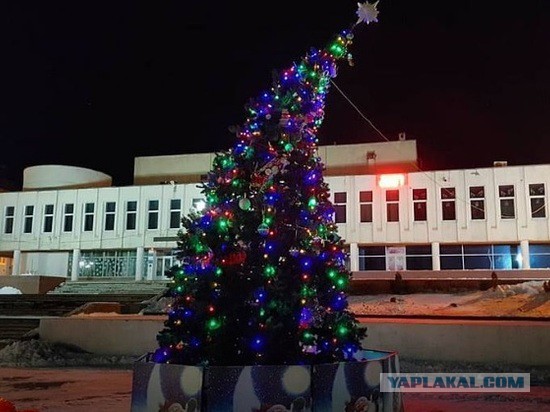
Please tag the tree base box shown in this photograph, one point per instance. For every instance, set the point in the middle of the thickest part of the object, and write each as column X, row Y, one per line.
column 342, row 386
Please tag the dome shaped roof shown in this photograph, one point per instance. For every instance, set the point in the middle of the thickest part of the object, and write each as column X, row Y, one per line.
column 44, row 177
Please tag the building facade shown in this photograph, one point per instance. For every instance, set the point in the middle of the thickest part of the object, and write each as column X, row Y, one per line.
column 392, row 215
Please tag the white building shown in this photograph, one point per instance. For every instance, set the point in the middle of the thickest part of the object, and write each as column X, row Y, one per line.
column 70, row 221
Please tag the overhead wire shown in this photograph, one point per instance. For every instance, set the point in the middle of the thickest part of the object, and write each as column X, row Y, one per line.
column 414, row 164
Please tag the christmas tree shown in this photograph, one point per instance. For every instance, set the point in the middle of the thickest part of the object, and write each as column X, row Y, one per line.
column 261, row 277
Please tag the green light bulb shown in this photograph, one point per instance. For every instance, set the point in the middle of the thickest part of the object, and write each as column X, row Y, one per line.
column 342, row 331
column 213, row 324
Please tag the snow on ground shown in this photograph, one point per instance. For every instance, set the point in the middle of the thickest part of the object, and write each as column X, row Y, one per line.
column 63, row 378
column 35, row 353
column 9, row 290
column 38, row 353
column 51, row 377
column 523, row 299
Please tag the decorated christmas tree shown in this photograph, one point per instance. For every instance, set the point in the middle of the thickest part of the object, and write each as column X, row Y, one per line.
column 262, row 274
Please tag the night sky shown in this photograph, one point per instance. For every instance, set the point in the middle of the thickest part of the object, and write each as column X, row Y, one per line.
column 95, row 84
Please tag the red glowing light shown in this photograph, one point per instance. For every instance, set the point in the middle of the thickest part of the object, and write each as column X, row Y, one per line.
column 391, row 181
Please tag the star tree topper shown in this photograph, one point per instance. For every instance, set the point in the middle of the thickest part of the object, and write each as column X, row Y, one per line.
column 367, row 12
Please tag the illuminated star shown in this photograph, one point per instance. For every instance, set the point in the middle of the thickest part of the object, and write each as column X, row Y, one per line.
column 367, row 12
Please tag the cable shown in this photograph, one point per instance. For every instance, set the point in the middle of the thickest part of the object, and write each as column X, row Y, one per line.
column 414, row 164
column 359, row 111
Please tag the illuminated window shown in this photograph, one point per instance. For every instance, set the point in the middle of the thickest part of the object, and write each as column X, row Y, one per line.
column 108, row 263
column 539, row 255
column 465, row 257
column 365, row 204
column 419, row 205
column 507, row 208
column 392, row 205
column 340, row 199
column 391, row 181
column 477, row 202
column 538, row 202
column 448, row 206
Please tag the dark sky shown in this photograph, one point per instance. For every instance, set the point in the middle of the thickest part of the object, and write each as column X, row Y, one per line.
column 95, row 84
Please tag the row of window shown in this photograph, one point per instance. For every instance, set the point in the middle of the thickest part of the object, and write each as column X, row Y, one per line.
column 448, row 203
column 122, row 263
column 419, row 199
column 89, row 216
column 459, row 257
column 106, row 263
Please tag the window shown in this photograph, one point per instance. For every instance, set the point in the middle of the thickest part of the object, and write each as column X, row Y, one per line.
column 175, row 213
column 108, row 263
column 110, row 214
column 507, row 208
column 392, row 205
column 89, row 209
column 450, row 257
column 372, row 258
column 9, row 215
column 48, row 219
column 477, row 202
column 419, row 257
column 131, row 214
column 153, row 214
column 365, row 203
column 539, row 255
column 29, row 212
column 396, row 258
column 68, row 217
column 506, row 257
column 419, row 204
column 448, row 205
column 479, row 256
column 538, row 204
column 340, row 199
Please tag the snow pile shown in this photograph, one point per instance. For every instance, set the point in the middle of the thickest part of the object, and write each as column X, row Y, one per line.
column 522, row 299
column 8, row 290
column 38, row 353
column 158, row 305
column 95, row 315
column 531, row 288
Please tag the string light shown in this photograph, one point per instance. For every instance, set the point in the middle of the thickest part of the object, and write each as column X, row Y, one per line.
column 265, row 244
